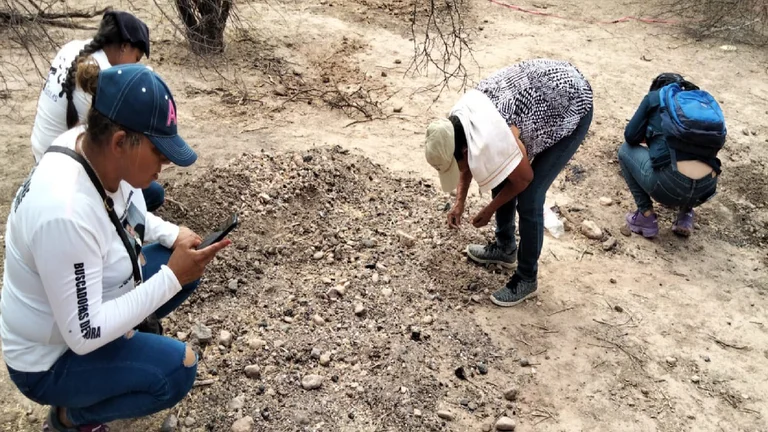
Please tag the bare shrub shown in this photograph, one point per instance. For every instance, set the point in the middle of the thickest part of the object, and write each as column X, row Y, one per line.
column 205, row 22
column 441, row 39
column 741, row 21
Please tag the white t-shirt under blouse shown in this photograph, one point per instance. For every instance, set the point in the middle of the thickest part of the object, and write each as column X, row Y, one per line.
column 68, row 279
column 51, row 117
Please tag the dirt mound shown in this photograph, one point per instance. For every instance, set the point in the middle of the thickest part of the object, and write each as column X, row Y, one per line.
column 338, row 269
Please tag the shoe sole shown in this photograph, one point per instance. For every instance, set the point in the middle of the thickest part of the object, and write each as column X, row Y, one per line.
column 498, row 302
column 482, row 261
column 645, row 232
column 682, row 232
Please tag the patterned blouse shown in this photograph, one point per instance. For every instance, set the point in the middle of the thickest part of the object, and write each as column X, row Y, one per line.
column 544, row 98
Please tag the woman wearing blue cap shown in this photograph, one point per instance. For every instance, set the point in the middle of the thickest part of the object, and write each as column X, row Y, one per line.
column 121, row 38
column 86, row 263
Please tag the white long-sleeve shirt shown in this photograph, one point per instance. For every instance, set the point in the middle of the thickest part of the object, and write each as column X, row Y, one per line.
column 51, row 117
column 67, row 282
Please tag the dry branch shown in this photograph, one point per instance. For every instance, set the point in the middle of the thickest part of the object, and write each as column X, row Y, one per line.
column 441, row 40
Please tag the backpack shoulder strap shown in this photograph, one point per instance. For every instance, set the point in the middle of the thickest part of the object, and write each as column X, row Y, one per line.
column 109, row 205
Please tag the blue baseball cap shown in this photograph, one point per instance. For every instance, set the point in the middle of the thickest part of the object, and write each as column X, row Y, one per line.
column 136, row 98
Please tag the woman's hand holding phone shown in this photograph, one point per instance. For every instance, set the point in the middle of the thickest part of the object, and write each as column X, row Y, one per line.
column 188, row 263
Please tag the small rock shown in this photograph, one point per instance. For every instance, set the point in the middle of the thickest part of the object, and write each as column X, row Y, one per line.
column 302, row 418
column 256, row 343
column 225, row 338
column 281, row 91
column 671, row 361
column 336, row 292
column 316, row 353
column 524, row 362
column 427, row 320
column 245, row 424
column 591, row 230
column 618, row 308
column 312, row 382
column 325, row 359
column 236, row 403
column 375, row 278
column 182, row 336
column 482, row 368
column 233, row 285
column 745, row 131
column 386, row 292
column 202, row 333
column 472, row 406
column 369, row 243
column 170, row 424
column 383, row 74
column 288, row 319
column 445, row 415
column 318, row 255
column 253, row 371
column 695, row 379
column 415, row 334
column 511, row 394
column 706, row 358
column 625, row 231
column 397, row 109
column 406, row 239
column 487, row 427
column 605, row 201
column 189, row 422
column 416, row 412
column 398, row 61
column 278, row 343
column 613, row 281
column 360, row 310
column 505, row 424
column 610, row 244
column 318, row 320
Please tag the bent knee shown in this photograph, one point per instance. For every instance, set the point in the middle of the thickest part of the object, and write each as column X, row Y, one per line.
column 190, row 358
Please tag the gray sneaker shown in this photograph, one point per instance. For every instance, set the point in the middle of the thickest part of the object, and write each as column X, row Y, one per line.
column 515, row 292
column 491, row 253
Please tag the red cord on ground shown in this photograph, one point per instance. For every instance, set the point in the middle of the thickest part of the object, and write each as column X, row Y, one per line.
column 589, row 21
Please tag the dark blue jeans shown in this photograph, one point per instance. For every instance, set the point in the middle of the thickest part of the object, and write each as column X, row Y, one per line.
column 154, row 196
column 666, row 186
column 530, row 202
column 126, row 378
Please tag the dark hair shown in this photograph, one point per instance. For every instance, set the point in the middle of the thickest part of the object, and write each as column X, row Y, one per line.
column 100, row 127
column 667, row 78
column 108, row 34
column 459, row 138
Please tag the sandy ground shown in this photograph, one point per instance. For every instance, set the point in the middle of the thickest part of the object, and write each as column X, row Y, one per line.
column 687, row 352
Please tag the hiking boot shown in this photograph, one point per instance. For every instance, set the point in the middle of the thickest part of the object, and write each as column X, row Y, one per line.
column 514, row 292
column 683, row 225
column 638, row 223
column 53, row 424
column 491, row 253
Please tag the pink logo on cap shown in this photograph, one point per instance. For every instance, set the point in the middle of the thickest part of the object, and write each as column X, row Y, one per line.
column 171, row 113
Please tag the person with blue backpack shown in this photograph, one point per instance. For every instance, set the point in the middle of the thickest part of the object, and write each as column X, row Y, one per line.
column 683, row 128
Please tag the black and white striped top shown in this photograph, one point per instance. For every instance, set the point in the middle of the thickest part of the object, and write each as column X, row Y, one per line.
column 544, row 98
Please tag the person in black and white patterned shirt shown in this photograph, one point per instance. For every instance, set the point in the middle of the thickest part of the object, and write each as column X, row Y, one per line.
column 546, row 105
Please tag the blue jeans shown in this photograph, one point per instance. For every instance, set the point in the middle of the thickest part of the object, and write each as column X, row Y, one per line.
column 666, row 186
column 154, row 196
column 530, row 202
column 126, row 378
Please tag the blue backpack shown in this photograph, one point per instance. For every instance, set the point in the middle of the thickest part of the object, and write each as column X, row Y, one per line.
column 692, row 120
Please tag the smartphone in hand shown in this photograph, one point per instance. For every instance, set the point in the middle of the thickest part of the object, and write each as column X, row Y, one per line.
column 221, row 232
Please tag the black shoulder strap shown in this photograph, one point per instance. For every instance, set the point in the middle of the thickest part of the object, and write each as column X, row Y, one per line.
column 108, row 205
